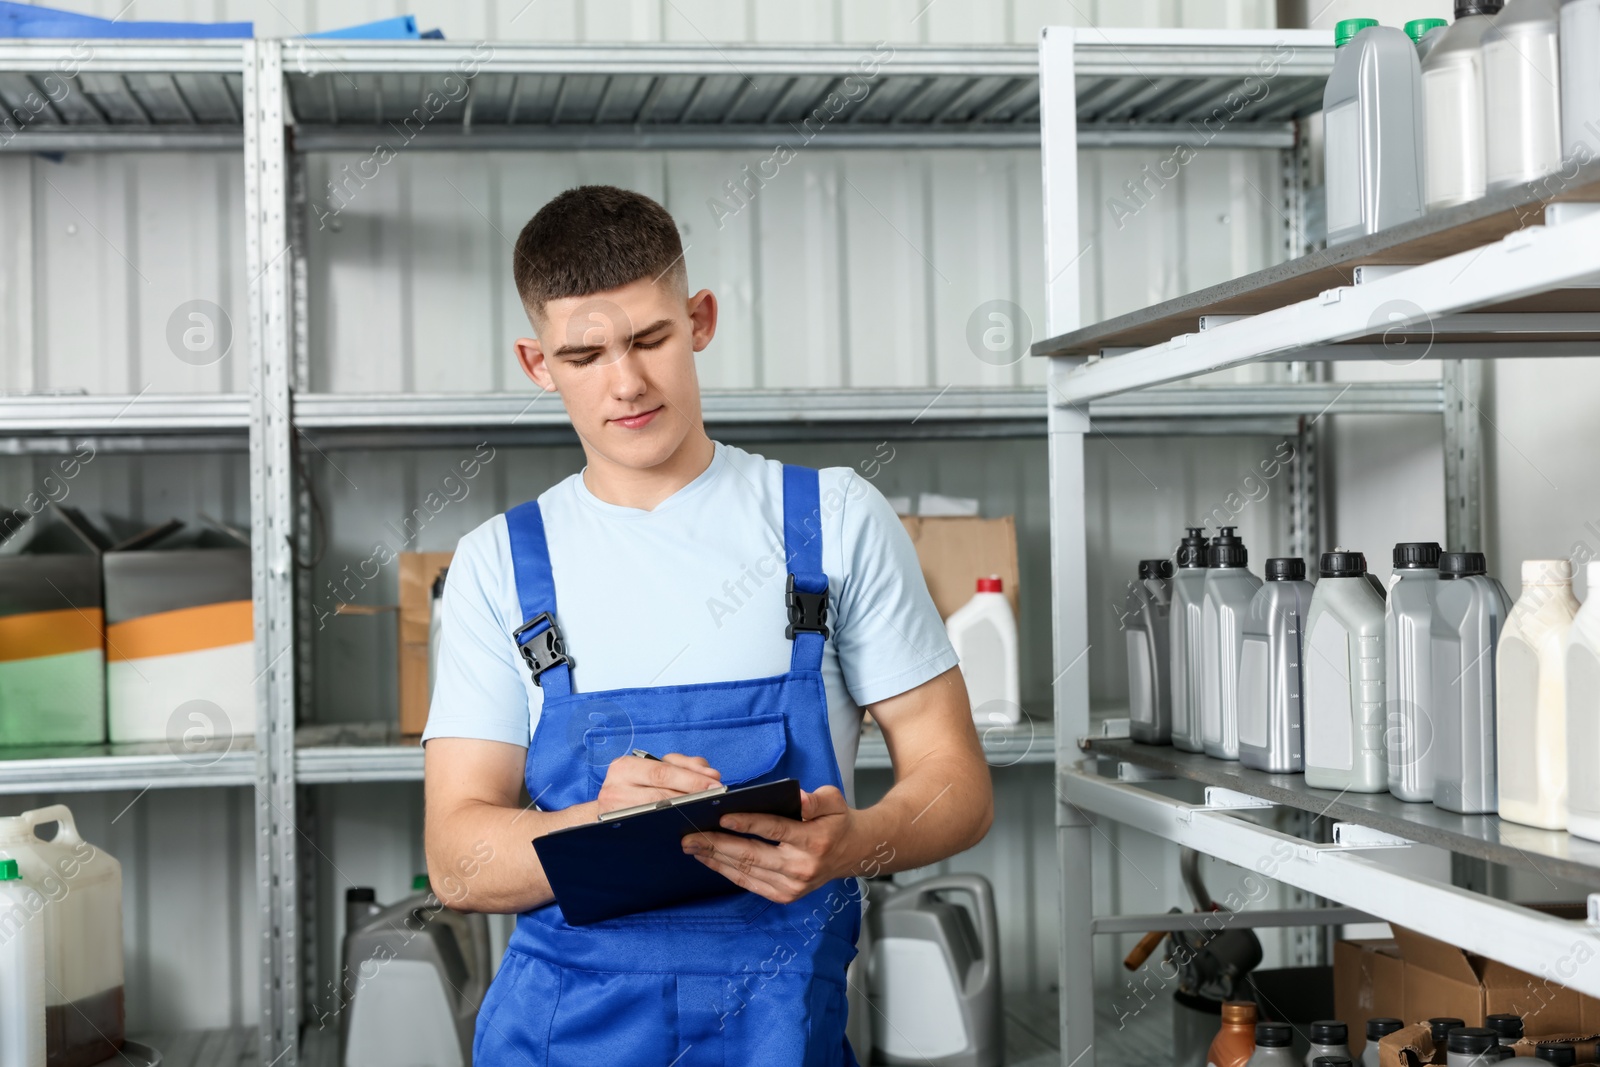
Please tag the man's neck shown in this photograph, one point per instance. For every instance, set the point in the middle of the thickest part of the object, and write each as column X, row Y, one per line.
column 631, row 487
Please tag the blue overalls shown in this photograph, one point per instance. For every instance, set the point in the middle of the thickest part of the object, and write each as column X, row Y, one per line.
column 724, row 982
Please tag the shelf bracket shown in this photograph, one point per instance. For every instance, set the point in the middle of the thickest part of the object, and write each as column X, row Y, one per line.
column 1352, row 837
column 1133, row 772
column 1220, row 799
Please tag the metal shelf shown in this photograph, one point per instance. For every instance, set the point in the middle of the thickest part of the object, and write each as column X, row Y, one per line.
column 1553, row 853
column 97, row 768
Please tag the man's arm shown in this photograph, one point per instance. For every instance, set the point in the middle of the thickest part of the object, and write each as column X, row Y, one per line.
column 941, row 803
column 477, row 836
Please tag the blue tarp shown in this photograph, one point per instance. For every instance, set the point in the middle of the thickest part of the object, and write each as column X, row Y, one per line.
column 27, row 20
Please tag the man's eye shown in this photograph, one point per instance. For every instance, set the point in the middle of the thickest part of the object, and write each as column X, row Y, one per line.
column 585, row 361
column 650, row 344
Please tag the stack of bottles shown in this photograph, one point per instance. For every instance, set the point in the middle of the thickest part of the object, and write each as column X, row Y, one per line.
column 1242, row 1041
column 1435, row 688
column 1440, row 114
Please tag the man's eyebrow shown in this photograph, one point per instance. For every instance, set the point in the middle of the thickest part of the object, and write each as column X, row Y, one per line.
column 574, row 350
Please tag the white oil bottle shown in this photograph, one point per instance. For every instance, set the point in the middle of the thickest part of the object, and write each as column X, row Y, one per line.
column 1146, row 627
column 1583, row 713
column 1344, row 677
column 1408, row 664
column 1521, row 93
column 1452, row 104
column 22, row 978
column 1229, row 589
column 1531, row 699
column 1580, row 78
column 1184, row 633
column 1372, row 127
column 983, row 632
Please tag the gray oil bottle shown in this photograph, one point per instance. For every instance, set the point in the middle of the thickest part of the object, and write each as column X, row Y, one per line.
column 1472, row 607
column 1184, row 638
column 1269, row 670
column 1330, row 1039
column 1344, row 678
column 1472, row 1046
column 1378, row 1027
column 1274, row 1046
column 1408, row 669
column 1228, row 591
column 1372, row 131
column 1145, row 624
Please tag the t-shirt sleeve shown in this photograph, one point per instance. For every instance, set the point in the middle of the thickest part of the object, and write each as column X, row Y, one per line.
column 479, row 691
column 889, row 637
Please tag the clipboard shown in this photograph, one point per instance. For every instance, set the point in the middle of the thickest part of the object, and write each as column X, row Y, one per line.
column 634, row 861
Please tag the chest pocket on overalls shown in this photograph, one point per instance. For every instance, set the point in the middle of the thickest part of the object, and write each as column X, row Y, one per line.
column 743, row 749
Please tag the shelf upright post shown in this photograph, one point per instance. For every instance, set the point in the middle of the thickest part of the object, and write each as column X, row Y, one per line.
column 272, row 490
column 1463, row 454
column 1067, row 426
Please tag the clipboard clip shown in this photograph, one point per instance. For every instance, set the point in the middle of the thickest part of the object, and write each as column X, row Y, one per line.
column 665, row 802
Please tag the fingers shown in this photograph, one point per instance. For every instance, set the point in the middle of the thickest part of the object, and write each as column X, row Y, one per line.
column 697, row 763
column 673, row 777
column 825, row 801
column 747, row 864
column 771, row 827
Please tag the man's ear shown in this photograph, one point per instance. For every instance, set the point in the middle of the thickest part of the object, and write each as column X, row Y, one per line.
column 702, row 308
column 534, row 365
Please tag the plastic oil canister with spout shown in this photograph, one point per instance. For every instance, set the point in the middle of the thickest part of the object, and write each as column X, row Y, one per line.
column 1344, row 678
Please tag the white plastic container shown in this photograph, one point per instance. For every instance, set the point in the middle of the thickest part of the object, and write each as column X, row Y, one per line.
column 1472, row 610
column 21, row 970
column 1372, row 126
column 1270, row 682
column 1146, row 628
column 1580, row 78
column 1522, row 93
column 1408, row 664
column 984, row 633
column 1583, row 713
column 1531, row 698
column 1184, row 638
column 82, row 927
column 1452, row 101
column 1229, row 589
column 1343, row 701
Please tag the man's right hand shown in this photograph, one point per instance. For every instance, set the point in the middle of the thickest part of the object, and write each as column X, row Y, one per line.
column 632, row 780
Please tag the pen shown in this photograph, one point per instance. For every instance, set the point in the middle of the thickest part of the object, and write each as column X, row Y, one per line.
column 642, row 754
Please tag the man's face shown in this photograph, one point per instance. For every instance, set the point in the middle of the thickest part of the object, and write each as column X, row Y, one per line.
column 623, row 362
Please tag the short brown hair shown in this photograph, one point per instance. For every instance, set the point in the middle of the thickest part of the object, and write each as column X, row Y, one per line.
column 593, row 239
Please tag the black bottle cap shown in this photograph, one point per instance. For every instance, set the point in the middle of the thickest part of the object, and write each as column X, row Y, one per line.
column 1155, row 568
column 1332, row 1061
column 1274, row 1035
column 1381, row 1025
column 1507, row 1026
column 361, row 894
column 1329, row 1032
column 1558, row 1052
column 1227, row 550
column 1286, row 569
column 1471, row 1040
column 1478, row 7
column 1462, row 564
column 1442, row 1026
column 1416, row 555
column 1192, row 549
column 1342, row 564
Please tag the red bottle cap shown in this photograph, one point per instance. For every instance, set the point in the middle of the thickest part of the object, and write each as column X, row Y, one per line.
column 990, row 584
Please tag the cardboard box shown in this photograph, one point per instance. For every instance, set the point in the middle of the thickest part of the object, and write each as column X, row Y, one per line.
column 418, row 571
column 956, row 552
column 52, row 629
column 1368, row 981
column 1441, row 979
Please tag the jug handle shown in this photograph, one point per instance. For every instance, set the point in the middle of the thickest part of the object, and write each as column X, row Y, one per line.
column 67, row 834
column 982, row 893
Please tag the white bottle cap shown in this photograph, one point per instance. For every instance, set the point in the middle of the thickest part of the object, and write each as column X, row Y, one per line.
column 1546, row 571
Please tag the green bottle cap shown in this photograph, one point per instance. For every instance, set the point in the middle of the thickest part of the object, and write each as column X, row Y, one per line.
column 420, row 882
column 8, row 871
column 1417, row 28
column 1345, row 30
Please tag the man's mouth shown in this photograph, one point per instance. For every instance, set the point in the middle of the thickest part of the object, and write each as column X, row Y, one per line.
column 635, row 422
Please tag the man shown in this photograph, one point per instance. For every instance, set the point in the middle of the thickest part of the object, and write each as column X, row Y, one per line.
column 720, row 611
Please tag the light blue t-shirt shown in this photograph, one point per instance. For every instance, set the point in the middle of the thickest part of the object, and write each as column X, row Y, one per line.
column 689, row 592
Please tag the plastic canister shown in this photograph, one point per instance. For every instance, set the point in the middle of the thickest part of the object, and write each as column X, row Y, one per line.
column 1372, row 127
column 1557, row 1052
column 1583, row 713
column 983, row 632
column 1236, row 1039
column 1452, row 100
column 1580, row 79
column 1471, row 612
column 1378, row 1027
column 1229, row 589
column 1344, row 678
column 1184, row 638
column 1425, row 34
column 1472, row 1046
column 1330, row 1039
column 1274, row 1046
column 1145, row 625
column 22, row 1034
column 1269, row 670
column 1531, row 699
column 1408, row 669
column 1521, row 93
column 82, row 912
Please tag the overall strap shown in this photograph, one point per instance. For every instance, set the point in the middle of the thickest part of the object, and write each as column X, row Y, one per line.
column 807, row 591
column 537, row 638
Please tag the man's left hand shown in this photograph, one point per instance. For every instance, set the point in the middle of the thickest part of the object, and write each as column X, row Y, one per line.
column 806, row 853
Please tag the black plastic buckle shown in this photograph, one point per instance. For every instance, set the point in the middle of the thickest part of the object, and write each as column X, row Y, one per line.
column 808, row 612
column 545, row 649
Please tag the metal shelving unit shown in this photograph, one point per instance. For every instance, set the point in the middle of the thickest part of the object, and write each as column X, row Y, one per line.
column 1509, row 275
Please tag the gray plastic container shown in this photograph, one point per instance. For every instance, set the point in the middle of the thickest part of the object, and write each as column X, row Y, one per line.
column 1378, row 1027
column 1329, row 1037
column 1408, row 669
column 1269, row 670
column 1373, row 134
column 1580, row 79
column 1344, row 679
column 1229, row 589
column 1452, row 99
column 1145, row 626
column 1184, row 633
column 1274, row 1046
column 1471, row 609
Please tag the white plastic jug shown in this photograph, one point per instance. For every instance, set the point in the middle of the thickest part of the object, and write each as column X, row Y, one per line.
column 1522, row 93
column 1583, row 713
column 21, row 970
column 1531, row 699
column 1343, row 670
column 984, row 634
column 81, row 905
column 1452, row 99
column 1184, row 633
column 1580, row 78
